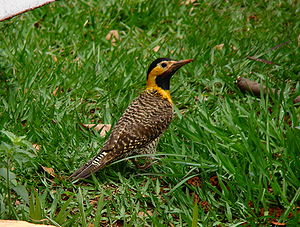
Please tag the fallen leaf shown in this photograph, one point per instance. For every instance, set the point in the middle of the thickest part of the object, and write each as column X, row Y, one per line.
column 55, row 91
column 250, row 204
column 23, row 123
column 103, row 127
column 187, row 2
column 196, row 197
column 112, row 33
column 36, row 146
column 155, row 49
column 119, row 223
column 251, row 17
column 15, row 223
column 37, row 25
column 219, row 47
column 54, row 58
column 214, row 181
column 278, row 223
column 205, row 205
column 195, row 181
column 234, row 48
column 17, row 202
column 275, row 211
column 143, row 214
column 76, row 59
column 113, row 36
column 50, row 171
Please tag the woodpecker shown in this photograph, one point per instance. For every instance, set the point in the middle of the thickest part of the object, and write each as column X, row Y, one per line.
column 142, row 123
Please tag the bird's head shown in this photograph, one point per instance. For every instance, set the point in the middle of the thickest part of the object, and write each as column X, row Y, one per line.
column 160, row 72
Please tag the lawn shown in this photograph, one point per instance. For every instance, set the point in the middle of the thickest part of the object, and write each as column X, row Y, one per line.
column 228, row 158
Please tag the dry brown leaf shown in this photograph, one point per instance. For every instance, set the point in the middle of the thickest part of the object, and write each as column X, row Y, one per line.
column 278, row 223
column 219, row 47
column 103, row 127
column 187, row 2
column 36, row 146
column 234, row 48
column 15, row 223
column 251, row 17
column 54, row 58
column 214, row 181
column 113, row 36
column 55, row 91
column 76, row 59
column 50, row 171
column 18, row 202
column 155, row 49
column 195, row 181
column 143, row 214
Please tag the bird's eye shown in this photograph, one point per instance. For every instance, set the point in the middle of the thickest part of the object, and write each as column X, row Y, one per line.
column 163, row 65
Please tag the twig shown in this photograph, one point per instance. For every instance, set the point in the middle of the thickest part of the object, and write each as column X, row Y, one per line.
column 246, row 85
column 280, row 45
column 261, row 60
column 273, row 48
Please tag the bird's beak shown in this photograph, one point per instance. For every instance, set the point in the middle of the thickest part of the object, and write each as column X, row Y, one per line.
column 177, row 64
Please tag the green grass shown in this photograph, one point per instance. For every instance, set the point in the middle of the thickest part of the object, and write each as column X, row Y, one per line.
column 227, row 158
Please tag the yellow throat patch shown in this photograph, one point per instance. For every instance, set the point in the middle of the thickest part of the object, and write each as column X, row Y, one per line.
column 152, row 86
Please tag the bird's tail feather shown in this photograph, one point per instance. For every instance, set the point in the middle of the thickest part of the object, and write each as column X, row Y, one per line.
column 90, row 167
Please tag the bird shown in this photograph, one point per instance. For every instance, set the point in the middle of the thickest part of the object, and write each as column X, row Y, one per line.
column 142, row 123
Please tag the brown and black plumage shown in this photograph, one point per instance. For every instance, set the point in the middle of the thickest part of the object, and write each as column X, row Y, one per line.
column 142, row 123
